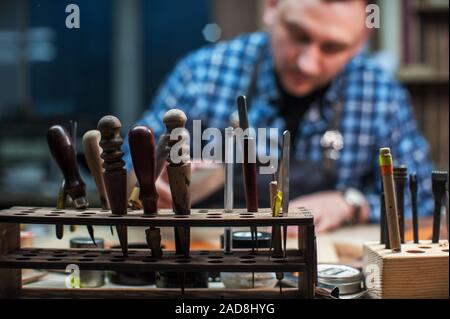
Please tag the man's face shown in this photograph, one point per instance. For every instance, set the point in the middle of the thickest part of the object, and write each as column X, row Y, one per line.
column 312, row 40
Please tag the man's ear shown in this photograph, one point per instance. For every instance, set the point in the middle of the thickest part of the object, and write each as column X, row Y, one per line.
column 269, row 12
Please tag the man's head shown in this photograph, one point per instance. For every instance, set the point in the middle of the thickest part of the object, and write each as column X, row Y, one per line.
column 313, row 40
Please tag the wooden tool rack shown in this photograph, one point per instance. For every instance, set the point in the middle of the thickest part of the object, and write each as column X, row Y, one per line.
column 13, row 258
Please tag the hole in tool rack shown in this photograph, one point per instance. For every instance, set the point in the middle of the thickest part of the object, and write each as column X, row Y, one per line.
column 59, row 255
column 180, row 216
column 85, row 259
column 149, row 260
column 182, row 257
column 415, row 251
column 215, row 261
column 445, row 250
column 116, row 260
column 425, row 247
column 203, row 252
column 277, row 257
column 247, row 257
column 215, row 257
column 248, row 261
column 183, row 261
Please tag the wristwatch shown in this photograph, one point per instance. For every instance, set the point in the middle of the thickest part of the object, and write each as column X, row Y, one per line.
column 355, row 199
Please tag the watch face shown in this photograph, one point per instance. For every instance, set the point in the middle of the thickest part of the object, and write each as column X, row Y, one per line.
column 354, row 197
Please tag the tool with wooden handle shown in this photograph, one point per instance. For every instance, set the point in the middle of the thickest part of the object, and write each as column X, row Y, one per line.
column 249, row 165
column 387, row 172
column 115, row 175
column 179, row 173
column 161, row 161
column 92, row 151
column 400, row 179
column 249, row 169
column 63, row 151
column 439, row 179
column 143, row 155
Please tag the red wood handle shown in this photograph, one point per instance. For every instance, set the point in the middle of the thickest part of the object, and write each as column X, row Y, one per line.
column 143, row 154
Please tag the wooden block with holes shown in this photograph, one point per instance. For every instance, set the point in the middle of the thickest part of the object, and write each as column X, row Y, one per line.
column 418, row 271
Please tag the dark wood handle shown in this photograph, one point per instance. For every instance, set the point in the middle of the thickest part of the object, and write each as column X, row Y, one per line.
column 249, row 168
column 63, row 151
column 143, row 154
column 179, row 173
column 115, row 175
column 179, row 181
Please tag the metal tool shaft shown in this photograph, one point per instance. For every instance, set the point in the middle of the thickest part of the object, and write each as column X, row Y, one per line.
column 228, row 196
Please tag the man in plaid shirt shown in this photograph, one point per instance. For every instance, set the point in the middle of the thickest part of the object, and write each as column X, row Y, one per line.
column 309, row 60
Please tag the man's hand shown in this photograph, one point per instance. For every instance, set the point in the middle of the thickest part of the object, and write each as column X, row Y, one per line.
column 329, row 209
column 209, row 186
column 163, row 188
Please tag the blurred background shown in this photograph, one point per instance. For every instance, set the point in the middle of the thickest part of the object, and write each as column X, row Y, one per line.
column 115, row 61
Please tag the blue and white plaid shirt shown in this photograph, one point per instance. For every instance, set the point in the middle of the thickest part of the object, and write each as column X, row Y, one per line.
column 376, row 113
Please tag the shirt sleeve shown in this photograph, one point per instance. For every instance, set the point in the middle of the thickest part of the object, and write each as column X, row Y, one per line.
column 398, row 130
column 173, row 93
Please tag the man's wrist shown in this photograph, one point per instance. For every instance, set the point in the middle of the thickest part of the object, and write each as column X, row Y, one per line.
column 356, row 200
